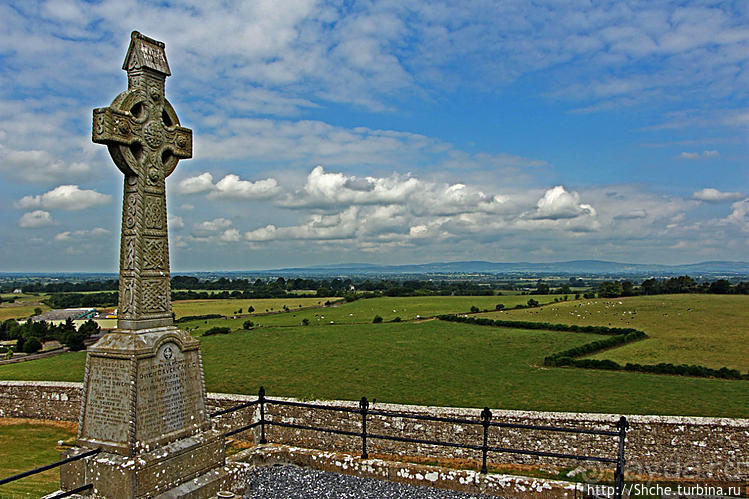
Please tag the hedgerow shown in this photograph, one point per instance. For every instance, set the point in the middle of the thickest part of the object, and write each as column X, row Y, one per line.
column 618, row 336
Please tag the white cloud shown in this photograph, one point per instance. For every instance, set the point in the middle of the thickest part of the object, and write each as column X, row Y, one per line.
column 65, row 197
column 175, row 222
column 231, row 236
column 739, row 215
column 211, row 226
column 711, row 195
column 35, row 219
column 37, row 165
column 197, row 184
column 557, row 203
column 81, row 234
column 317, row 227
column 696, row 155
column 232, row 187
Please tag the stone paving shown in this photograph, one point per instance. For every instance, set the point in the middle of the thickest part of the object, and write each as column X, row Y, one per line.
column 286, row 481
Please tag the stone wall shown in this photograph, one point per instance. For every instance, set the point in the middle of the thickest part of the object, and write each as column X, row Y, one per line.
column 674, row 447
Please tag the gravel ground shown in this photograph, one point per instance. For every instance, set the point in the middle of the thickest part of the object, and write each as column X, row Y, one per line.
column 300, row 483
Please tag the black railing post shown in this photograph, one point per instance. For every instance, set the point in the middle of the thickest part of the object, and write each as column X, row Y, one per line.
column 486, row 417
column 261, row 398
column 622, row 426
column 363, row 408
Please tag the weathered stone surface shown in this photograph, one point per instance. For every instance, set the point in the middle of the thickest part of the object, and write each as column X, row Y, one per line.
column 145, row 140
column 144, row 395
column 142, row 390
column 695, row 448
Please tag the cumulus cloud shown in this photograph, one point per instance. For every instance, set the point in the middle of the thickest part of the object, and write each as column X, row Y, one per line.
column 35, row 165
column 335, row 189
column 80, row 234
column 711, row 195
column 332, row 189
column 197, row 184
column 318, row 227
column 230, row 187
column 696, row 155
column 35, row 219
column 231, row 236
column 175, row 222
column 739, row 214
column 65, row 197
column 557, row 203
column 211, row 226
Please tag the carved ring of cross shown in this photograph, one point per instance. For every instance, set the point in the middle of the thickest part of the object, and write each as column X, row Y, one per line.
column 142, row 132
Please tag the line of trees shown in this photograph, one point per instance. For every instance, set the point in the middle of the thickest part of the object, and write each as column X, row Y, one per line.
column 30, row 335
column 674, row 285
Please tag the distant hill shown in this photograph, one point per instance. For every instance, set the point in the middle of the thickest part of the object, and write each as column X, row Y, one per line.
column 483, row 267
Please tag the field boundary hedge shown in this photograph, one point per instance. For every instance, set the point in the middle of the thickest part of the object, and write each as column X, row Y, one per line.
column 617, row 337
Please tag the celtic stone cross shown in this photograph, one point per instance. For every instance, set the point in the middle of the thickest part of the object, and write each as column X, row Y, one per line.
column 145, row 141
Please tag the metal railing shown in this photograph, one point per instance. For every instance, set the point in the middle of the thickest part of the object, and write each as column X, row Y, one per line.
column 485, row 421
column 55, row 465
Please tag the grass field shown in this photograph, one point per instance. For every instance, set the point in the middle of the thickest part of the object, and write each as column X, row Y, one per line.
column 21, row 309
column 228, row 307
column 709, row 330
column 24, row 446
column 363, row 311
column 430, row 362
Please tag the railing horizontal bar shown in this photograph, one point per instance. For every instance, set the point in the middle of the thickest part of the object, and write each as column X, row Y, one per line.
column 235, row 408
column 551, row 454
column 49, row 466
column 553, row 428
column 422, row 417
column 241, row 429
column 315, row 428
column 312, row 406
column 69, row 493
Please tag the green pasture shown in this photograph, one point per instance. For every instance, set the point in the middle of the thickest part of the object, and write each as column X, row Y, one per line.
column 182, row 308
column 24, row 446
column 431, row 362
column 363, row 311
column 20, row 310
column 708, row 330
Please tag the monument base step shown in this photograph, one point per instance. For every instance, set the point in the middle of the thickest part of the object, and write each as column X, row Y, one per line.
column 194, row 465
column 205, row 486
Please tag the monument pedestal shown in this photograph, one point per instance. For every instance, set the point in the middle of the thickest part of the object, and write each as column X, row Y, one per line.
column 144, row 406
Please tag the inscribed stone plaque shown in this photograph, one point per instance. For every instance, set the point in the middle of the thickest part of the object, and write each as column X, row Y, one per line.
column 106, row 413
column 170, row 395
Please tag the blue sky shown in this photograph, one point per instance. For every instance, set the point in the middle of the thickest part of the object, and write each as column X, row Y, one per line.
column 388, row 132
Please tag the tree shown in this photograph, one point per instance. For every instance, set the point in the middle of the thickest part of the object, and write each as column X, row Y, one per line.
column 32, row 345
column 89, row 328
column 474, row 309
column 608, row 289
column 532, row 303
column 500, row 306
column 248, row 325
column 377, row 319
column 250, row 309
column 721, row 287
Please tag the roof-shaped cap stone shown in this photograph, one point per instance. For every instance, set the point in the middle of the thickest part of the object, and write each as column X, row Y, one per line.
column 146, row 53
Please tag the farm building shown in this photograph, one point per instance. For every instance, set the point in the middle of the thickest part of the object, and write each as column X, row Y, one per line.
column 65, row 314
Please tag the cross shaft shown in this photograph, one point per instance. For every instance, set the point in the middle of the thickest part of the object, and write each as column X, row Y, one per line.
column 145, row 140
